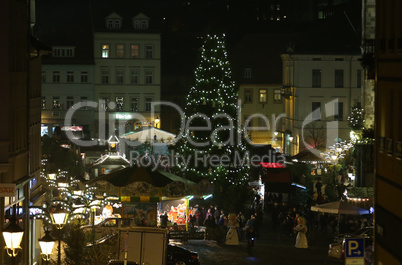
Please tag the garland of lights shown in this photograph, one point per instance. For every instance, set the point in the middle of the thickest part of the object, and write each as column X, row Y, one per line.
column 214, row 92
column 356, row 119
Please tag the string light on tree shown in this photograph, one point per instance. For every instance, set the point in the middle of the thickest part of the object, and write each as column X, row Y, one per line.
column 214, row 93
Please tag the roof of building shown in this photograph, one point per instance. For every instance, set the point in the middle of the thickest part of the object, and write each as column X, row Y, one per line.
column 126, row 10
column 339, row 34
column 261, row 53
column 65, row 23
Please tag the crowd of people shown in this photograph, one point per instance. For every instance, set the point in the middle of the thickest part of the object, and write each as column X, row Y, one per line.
column 226, row 227
column 230, row 228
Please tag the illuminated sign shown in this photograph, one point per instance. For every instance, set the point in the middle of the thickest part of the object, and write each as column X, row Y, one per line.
column 272, row 165
column 123, row 116
column 71, row 128
column 7, row 190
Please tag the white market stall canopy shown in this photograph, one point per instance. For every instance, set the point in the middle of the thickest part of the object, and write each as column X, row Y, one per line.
column 339, row 207
column 150, row 135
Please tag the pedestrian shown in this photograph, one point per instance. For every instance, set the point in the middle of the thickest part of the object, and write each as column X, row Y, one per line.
column 301, row 229
column 216, row 215
column 208, row 214
column 232, row 238
column 210, row 225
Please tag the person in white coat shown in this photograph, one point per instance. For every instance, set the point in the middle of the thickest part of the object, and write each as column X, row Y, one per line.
column 301, row 229
column 232, row 238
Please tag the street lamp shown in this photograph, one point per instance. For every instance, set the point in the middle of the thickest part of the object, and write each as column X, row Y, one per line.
column 59, row 219
column 46, row 244
column 12, row 236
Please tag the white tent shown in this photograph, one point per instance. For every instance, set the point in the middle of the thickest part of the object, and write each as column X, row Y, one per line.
column 151, row 135
column 339, row 207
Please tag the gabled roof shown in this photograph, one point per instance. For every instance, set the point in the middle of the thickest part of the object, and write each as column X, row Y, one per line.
column 127, row 10
column 113, row 15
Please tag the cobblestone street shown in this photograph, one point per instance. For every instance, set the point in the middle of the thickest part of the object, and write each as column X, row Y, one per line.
column 271, row 248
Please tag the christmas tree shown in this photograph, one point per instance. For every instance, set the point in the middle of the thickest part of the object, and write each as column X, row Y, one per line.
column 356, row 119
column 212, row 142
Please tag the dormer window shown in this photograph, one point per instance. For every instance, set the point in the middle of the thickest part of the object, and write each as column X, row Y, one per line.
column 63, row 51
column 141, row 22
column 113, row 23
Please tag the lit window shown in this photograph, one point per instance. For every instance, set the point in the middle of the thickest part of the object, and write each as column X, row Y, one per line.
column 134, row 104
column 248, row 95
column 148, row 102
column 119, row 76
column 43, row 102
column 56, row 102
column 119, row 103
column 119, row 50
column 70, row 76
column 277, row 96
column 134, row 76
column 247, row 72
column 148, row 51
column 263, row 96
column 134, row 51
column 105, row 51
column 105, row 77
column 148, row 77
column 84, row 77
column 56, row 77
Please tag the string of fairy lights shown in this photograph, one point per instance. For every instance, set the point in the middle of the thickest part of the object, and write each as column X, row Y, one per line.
column 215, row 91
column 78, row 201
column 356, row 119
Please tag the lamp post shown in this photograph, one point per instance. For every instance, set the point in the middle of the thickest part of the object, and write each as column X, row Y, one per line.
column 46, row 244
column 12, row 236
column 59, row 219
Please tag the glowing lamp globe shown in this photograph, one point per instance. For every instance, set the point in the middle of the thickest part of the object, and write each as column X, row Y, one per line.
column 12, row 236
column 46, row 244
column 59, row 217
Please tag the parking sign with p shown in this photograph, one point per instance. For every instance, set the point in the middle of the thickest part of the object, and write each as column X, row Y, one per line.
column 354, row 251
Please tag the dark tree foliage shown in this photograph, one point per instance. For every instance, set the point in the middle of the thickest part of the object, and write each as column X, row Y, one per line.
column 75, row 250
column 58, row 157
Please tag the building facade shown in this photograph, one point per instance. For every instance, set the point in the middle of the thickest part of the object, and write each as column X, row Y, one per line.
column 107, row 62
column 127, row 73
column 20, row 66
column 320, row 90
column 388, row 152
